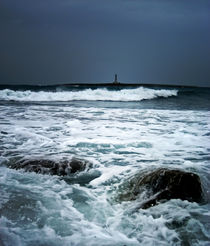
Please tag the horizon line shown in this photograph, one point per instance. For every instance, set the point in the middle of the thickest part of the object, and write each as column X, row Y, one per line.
column 114, row 83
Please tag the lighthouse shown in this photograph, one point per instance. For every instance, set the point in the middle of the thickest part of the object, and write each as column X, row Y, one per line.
column 115, row 79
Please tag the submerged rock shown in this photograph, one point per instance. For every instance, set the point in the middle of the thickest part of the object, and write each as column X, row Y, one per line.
column 61, row 168
column 161, row 185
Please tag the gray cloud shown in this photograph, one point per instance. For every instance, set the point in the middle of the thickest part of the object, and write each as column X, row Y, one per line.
column 50, row 41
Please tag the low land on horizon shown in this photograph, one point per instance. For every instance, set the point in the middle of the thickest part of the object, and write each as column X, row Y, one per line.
column 122, row 84
column 100, row 84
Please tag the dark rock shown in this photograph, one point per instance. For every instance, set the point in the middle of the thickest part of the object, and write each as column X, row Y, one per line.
column 161, row 185
column 3, row 132
column 61, row 168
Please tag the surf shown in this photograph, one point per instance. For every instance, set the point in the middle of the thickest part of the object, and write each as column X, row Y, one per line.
column 99, row 94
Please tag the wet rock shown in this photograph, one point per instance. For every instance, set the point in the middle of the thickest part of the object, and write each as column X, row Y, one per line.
column 3, row 132
column 61, row 168
column 161, row 185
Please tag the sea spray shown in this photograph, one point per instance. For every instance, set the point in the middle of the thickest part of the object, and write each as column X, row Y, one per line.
column 120, row 139
column 137, row 94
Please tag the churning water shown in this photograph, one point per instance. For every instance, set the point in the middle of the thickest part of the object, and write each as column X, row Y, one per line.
column 120, row 131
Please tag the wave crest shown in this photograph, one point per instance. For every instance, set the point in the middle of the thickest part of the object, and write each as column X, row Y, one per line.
column 137, row 94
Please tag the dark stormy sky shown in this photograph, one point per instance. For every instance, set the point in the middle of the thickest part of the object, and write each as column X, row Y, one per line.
column 55, row 41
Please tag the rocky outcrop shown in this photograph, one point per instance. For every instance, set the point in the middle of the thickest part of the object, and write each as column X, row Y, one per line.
column 61, row 168
column 160, row 185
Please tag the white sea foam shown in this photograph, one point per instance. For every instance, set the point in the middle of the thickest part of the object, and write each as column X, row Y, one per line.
column 137, row 94
column 46, row 210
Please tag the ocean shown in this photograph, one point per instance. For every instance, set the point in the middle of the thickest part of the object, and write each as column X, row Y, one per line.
column 119, row 131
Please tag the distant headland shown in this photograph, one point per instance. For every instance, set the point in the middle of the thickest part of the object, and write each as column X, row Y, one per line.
column 116, row 83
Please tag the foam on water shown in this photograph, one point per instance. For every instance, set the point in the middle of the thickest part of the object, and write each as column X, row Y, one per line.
column 46, row 210
column 137, row 94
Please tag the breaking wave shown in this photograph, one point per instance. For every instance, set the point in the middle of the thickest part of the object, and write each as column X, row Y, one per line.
column 137, row 94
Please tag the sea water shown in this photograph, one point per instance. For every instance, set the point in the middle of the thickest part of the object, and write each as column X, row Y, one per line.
column 121, row 131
